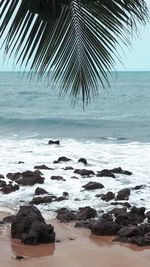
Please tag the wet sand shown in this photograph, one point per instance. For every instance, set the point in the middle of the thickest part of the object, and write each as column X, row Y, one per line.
column 77, row 247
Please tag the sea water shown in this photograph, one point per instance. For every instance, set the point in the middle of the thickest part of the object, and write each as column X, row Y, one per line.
column 112, row 131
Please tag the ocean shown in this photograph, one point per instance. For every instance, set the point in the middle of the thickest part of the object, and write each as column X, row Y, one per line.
column 112, row 131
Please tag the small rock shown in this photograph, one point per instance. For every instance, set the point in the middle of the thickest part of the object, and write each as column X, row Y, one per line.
column 53, row 142
column 123, row 194
column 42, row 167
column 105, row 172
column 93, row 185
column 58, row 178
column 40, row 191
column 84, row 172
column 84, row 161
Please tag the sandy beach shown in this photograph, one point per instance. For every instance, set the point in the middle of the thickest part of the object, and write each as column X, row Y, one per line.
column 74, row 247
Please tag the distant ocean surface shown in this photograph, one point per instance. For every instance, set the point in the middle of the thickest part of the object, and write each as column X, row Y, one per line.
column 114, row 130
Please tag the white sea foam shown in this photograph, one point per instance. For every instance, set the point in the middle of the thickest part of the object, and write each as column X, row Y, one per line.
column 130, row 156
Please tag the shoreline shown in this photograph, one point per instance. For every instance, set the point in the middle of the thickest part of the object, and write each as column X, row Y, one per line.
column 75, row 247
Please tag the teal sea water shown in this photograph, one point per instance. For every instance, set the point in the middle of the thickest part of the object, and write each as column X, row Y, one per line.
column 121, row 112
column 113, row 131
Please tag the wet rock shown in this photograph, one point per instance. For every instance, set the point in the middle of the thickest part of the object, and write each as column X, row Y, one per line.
column 58, row 178
column 18, row 257
column 108, row 196
column 123, row 194
column 65, row 215
column 55, row 161
column 41, row 200
column 42, row 167
column 86, row 213
column 53, row 142
column 9, row 188
column 2, row 183
column 40, row 191
column 103, row 227
column 74, row 177
column 84, row 161
column 20, row 162
column 39, row 233
column 29, row 226
column 58, row 199
column 125, row 204
column 65, row 159
column 138, row 187
column 147, row 215
column 65, row 194
column 68, row 168
column 133, row 217
column 131, row 231
column 119, row 170
column 82, row 224
column 84, row 172
column 105, row 172
column 26, row 178
column 141, row 241
column 8, row 219
column 93, row 185
column 1, row 176
column 144, row 228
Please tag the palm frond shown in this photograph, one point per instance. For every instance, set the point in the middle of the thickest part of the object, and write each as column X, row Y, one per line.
column 74, row 40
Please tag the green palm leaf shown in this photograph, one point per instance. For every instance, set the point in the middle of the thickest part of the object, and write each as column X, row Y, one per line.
column 74, row 41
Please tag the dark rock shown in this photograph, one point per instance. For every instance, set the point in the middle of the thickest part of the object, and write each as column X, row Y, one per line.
column 65, row 159
column 147, row 215
column 58, row 199
column 26, row 178
column 93, row 185
column 58, row 178
column 1, row 176
column 8, row 219
column 144, row 228
column 74, row 177
column 18, row 257
column 52, row 142
column 68, row 168
column 134, row 217
column 141, row 241
column 20, row 162
column 103, row 227
column 41, row 200
column 55, row 161
column 29, row 226
column 138, row 187
column 105, row 172
column 129, row 232
column 65, row 215
column 120, row 171
column 125, row 204
column 84, row 161
column 40, row 191
column 42, row 167
column 2, row 183
column 123, row 194
column 108, row 196
column 65, row 194
column 9, row 188
column 82, row 224
column 84, row 172
column 86, row 213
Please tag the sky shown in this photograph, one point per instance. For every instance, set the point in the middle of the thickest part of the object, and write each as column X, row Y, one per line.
column 134, row 58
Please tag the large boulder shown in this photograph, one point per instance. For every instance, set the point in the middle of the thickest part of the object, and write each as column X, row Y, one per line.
column 29, row 226
column 27, row 177
column 104, row 227
column 93, row 185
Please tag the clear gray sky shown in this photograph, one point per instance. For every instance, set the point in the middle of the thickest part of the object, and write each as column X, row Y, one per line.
column 135, row 58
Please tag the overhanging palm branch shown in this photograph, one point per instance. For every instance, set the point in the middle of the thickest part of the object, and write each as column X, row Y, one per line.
column 74, row 40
